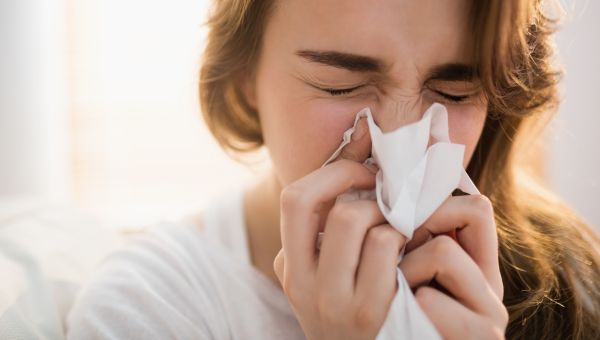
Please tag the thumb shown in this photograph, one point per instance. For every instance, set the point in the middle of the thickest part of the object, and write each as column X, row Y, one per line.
column 278, row 266
column 359, row 148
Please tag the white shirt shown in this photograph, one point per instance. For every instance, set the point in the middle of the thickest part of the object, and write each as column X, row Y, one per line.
column 178, row 281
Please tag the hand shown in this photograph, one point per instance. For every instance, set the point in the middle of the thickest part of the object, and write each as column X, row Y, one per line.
column 467, row 269
column 345, row 290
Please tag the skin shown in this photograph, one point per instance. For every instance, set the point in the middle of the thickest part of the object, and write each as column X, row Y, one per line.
column 345, row 290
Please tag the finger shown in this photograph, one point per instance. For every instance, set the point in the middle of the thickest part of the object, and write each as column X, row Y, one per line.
column 345, row 231
column 451, row 319
column 359, row 148
column 278, row 266
column 301, row 204
column 378, row 265
column 445, row 261
column 325, row 209
column 420, row 236
column 473, row 218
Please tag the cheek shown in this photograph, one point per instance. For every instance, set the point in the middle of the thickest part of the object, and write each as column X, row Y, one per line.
column 300, row 132
column 465, row 127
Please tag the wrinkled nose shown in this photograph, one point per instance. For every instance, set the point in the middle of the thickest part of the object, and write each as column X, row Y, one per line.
column 395, row 113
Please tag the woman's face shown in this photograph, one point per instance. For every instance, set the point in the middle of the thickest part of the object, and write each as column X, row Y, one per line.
column 324, row 60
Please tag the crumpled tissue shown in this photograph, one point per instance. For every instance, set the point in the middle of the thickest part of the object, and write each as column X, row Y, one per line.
column 413, row 180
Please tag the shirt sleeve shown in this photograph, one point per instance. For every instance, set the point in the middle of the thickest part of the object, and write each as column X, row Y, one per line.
column 150, row 289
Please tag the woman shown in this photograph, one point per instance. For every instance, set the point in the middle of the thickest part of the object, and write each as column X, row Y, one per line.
column 291, row 75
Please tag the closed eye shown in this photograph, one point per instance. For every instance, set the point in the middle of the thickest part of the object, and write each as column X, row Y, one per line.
column 450, row 97
column 339, row 92
column 343, row 91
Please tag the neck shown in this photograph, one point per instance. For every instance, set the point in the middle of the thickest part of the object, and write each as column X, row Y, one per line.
column 261, row 216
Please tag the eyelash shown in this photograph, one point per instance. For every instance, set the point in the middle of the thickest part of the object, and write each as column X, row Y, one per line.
column 452, row 98
column 339, row 92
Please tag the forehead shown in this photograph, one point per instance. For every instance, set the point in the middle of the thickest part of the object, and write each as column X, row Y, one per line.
column 414, row 31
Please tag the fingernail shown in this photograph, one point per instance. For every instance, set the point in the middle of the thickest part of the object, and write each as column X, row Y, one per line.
column 361, row 130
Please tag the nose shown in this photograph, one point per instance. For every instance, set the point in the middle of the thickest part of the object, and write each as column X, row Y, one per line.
column 397, row 112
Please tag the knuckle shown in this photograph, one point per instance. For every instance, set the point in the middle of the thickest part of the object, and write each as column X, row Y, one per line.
column 443, row 246
column 347, row 216
column 288, row 197
column 425, row 297
column 483, row 204
column 344, row 214
column 366, row 318
column 377, row 235
column 382, row 237
column 279, row 264
column 291, row 197
column 447, row 253
column 399, row 238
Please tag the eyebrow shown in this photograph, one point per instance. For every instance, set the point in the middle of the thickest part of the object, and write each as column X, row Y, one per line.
column 453, row 72
column 359, row 63
column 348, row 61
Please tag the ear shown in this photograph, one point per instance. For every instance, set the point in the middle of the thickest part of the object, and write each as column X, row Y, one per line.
column 248, row 88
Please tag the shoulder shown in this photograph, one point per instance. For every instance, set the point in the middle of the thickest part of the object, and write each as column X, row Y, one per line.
column 196, row 219
column 148, row 289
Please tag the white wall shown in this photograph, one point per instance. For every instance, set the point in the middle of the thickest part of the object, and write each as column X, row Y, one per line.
column 34, row 157
column 574, row 166
column 141, row 151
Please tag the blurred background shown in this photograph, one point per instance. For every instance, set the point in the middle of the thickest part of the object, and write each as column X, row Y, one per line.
column 98, row 108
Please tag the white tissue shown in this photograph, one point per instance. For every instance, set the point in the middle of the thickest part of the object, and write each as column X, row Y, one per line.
column 413, row 180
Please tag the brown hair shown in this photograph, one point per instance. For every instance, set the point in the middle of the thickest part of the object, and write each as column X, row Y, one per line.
column 549, row 258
